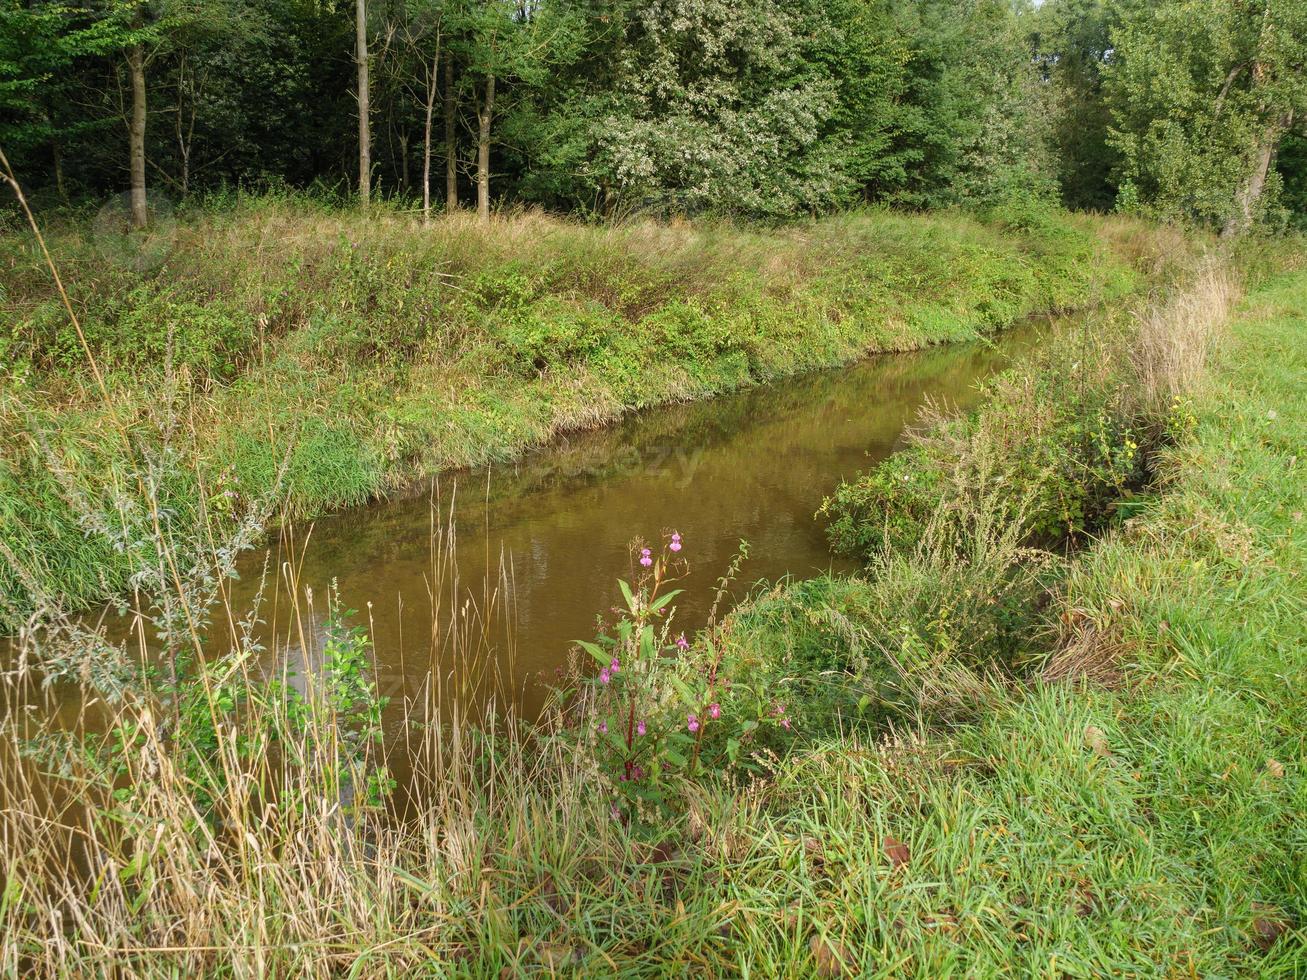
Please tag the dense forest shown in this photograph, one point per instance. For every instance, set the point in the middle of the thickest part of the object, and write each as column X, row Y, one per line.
column 1180, row 109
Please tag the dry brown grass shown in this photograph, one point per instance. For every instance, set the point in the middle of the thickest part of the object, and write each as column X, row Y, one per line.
column 1173, row 341
column 1170, row 345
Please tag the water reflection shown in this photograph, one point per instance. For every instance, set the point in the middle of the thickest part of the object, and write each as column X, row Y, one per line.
column 542, row 541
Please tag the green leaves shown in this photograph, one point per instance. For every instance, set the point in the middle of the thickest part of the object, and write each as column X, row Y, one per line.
column 601, row 658
column 662, row 601
column 1198, row 93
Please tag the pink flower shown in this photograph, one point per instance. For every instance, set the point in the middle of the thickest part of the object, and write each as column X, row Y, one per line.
column 682, row 642
column 692, row 722
column 637, row 773
column 604, row 676
column 715, row 710
column 645, row 558
column 785, row 723
column 603, row 728
column 676, row 542
column 615, row 666
column 639, row 728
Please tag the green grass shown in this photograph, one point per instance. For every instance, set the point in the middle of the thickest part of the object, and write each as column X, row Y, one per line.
column 330, row 357
column 1146, row 827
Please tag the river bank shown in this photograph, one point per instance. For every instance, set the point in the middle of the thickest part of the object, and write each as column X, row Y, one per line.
column 283, row 359
column 981, row 755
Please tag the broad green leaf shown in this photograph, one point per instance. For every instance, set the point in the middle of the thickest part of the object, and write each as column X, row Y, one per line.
column 616, row 741
column 662, row 600
column 595, row 651
column 684, row 691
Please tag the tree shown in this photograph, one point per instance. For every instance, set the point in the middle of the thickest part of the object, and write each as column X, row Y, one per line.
column 365, row 126
column 1072, row 40
column 40, row 45
column 488, row 49
column 1277, row 91
column 451, row 137
column 423, row 32
column 1202, row 92
column 706, row 105
column 145, row 30
column 507, row 43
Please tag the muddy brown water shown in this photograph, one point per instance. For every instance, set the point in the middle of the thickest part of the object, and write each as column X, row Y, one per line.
column 552, row 530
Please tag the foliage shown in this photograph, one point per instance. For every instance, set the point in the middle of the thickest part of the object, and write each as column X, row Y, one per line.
column 1072, row 40
column 1198, row 87
column 957, row 533
column 661, row 711
column 1060, row 429
column 775, row 109
column 785, row 108
column 330, row 721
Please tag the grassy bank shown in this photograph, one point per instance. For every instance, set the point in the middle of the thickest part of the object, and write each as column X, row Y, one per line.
column 281, row 357
column 1108, row 783
column 988, row 755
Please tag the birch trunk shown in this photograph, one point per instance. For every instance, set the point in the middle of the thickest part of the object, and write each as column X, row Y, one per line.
column 432, row 83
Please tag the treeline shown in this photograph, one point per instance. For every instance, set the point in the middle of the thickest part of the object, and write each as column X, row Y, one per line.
column 1187, row 109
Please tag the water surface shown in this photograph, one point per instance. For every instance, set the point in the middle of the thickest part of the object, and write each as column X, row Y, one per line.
column 552, row 530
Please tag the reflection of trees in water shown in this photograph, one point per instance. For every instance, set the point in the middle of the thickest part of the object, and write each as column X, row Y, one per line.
column 663, row 439
column 779, row 421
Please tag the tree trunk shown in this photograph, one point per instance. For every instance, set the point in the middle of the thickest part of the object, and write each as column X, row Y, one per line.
column 365, row 132
column 451, row 147
column 58, row 160
column 485, row 112
column 1248, row 196
column 1263, row 151
column 433, row 81
column 136, row 136
column 183, row 150
column 185, row 132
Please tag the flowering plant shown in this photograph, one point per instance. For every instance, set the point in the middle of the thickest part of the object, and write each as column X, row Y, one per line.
column 665, row 707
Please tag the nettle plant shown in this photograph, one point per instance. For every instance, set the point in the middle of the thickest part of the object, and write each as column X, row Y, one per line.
column 664, row 708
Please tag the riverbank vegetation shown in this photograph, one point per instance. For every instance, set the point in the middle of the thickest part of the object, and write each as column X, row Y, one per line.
column 292, row 357
column 1051, row 725
column 981, row 754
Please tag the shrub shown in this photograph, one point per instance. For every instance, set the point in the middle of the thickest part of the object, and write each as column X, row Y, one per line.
column 1063, row 434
